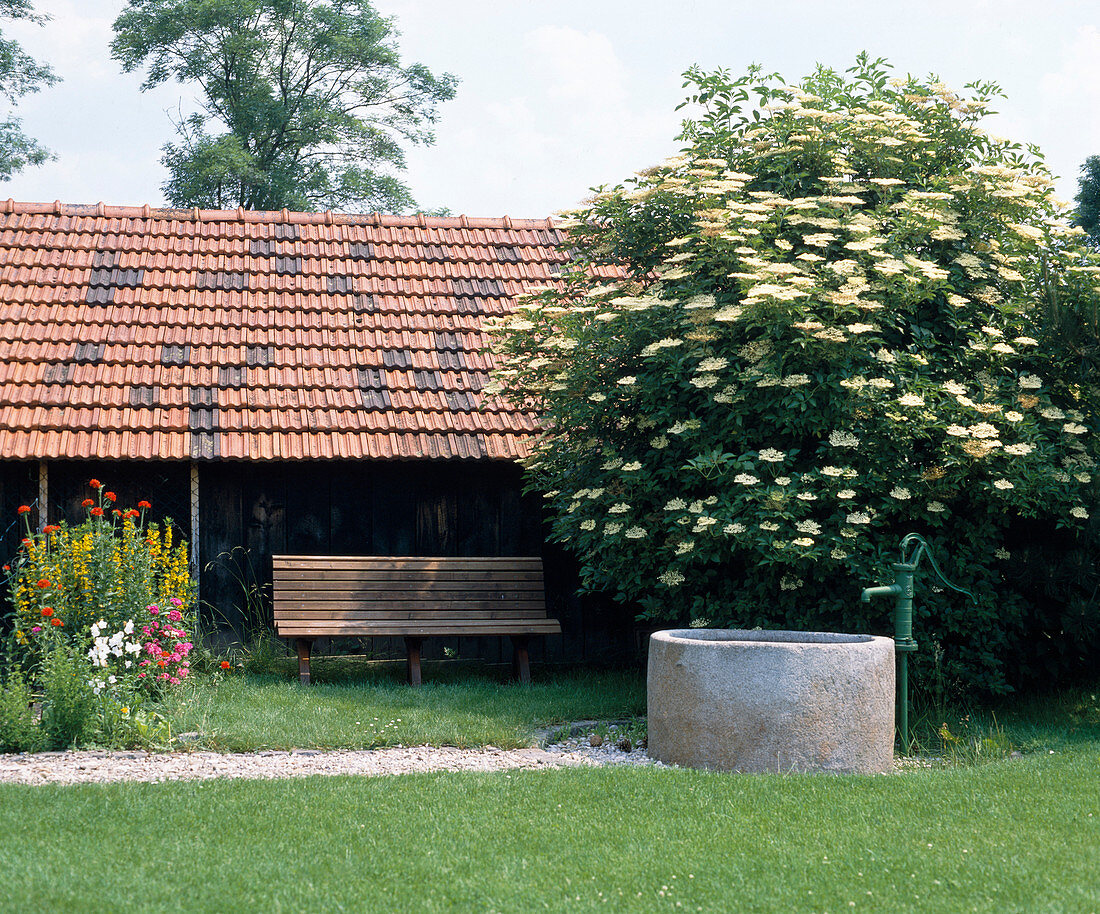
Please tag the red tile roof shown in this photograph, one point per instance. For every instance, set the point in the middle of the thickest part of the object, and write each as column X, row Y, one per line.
column 131, row 332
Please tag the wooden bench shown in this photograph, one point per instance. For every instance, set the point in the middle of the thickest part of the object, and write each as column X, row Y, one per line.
column 417, row 598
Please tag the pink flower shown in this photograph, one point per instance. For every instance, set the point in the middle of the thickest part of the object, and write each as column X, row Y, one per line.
column 174, row 615
column 176, row 601
column 153, row 610
column 36, row 629
column 141, row 675
column 174, row 681
column 163, row 676
column 183, row 673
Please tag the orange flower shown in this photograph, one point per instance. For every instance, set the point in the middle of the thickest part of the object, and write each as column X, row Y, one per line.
column 162, row 663
column 87, row 503
column 43, row 583
column 56, row 622
column 24, row 509
column 95, row 483
column 47, row 610
column 110, row 496
column 97, row 512
column 50, row 528
column 144, row 504
column 225, row 664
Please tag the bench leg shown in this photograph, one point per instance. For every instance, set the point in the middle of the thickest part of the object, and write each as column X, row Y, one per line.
column 412, row 646
column 303, row 645
column 521, row 663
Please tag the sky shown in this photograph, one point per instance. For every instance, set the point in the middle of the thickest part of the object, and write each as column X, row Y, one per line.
column 558, row 98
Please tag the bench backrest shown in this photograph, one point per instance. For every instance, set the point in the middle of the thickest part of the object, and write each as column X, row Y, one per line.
column 396, row 589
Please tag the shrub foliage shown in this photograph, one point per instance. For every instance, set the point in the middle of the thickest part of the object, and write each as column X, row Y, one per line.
column 817, row 329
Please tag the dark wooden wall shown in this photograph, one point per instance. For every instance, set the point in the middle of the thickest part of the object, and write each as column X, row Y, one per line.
column 392, row 508
column 250, row 511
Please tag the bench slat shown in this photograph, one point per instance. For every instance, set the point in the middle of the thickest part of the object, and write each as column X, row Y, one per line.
column 427, row 629
column 422, row 615
column 418, row 563
column 415, row 589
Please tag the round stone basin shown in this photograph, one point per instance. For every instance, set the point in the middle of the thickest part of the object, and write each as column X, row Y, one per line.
column 736, row 700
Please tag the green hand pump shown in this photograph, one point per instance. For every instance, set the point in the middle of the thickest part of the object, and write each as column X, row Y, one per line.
column 913, row 547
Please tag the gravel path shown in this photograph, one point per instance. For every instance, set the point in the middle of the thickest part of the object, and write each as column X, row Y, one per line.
column 104, row 767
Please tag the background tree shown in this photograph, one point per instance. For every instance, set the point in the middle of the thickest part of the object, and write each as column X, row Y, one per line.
column 20, row 74
column 1088, row 198
column 305, row 103
column 821, row 327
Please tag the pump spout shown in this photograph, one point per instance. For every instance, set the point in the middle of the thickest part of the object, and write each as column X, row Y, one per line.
column 890, row 590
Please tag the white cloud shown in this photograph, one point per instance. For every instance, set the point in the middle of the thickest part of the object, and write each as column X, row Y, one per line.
column 576, row 67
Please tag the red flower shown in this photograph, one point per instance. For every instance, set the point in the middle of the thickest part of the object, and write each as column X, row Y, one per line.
column 117, row 513
column 110, row 496
column 50, row 528
column 47, row 611
column 87, row 503
column 24, row 509
column 95, row 483
column 43, row 583
column 225, row 664
column 7, row 568
column 144, row 504
column 161, row 663
column 97, row 512
column 131, row 513
column 56, row 622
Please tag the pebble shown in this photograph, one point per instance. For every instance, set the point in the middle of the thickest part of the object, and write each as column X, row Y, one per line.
column 98, row 767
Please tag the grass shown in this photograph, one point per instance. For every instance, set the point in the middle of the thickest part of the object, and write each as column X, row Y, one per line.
column 359, row 704
column 1016, row 836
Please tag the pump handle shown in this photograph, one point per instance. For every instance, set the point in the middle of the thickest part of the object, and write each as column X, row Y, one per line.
column 923, row 548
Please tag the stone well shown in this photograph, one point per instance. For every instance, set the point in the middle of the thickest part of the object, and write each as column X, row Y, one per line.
column 777, row 701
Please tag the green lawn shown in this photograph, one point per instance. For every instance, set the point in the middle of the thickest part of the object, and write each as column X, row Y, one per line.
column 354, row 704
column 1014, row 836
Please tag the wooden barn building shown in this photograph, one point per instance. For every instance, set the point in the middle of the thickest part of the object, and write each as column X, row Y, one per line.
column 280, row 382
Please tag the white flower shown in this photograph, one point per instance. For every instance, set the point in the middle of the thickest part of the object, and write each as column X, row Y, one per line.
column 808, row 526
column 619, row 508
column 958, row 431
column 659, row 443
column 936, row 507
column 911, row 400
column 745, row 479
column 900, row 493
column 1030, row 382
column 832, row 471
column 1072, row 428
column 632, row 467
column 843, row 439
column 1018, row 450
column 635, row 533
column 1003, row 484
column 684, row 547
column 628, row 381
column 846, row 494
column 671, row 578
column 769, row 526
column 1013, row 416
column 782, row 480
column 733, row 529
column 612, row 529
column 803, row 541
column 597, row 398
column 713, row 364
column 588, row 525
column 1079, row 512
column 858, row 518
column 1002, row 554
column 1052, row 412
column 771, row 455
column 806, row 496
column 675, row 504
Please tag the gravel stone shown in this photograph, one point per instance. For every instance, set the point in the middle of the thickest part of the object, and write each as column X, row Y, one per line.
column 107, row 767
